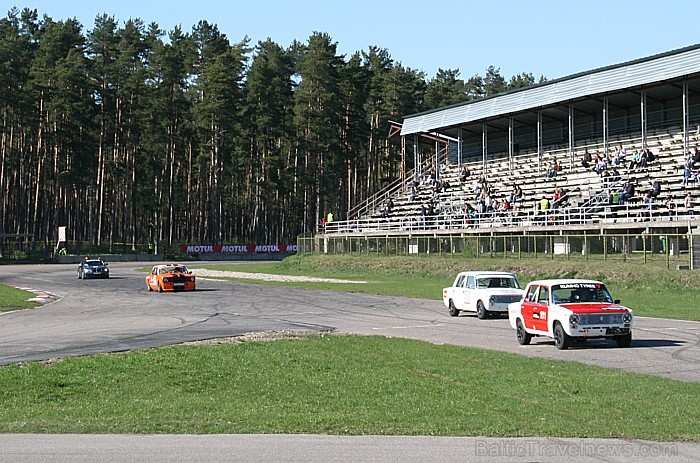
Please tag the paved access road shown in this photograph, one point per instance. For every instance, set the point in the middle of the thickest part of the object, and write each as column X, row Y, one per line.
column 120, row 314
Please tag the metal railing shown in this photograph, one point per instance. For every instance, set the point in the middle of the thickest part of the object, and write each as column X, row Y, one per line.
column 456, row 220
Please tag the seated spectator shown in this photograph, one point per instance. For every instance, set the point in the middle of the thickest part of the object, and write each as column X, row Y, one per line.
column 696, row 157
column 627, row 192
column 643, row 159
column 636, row 157
column 614, row 176
column 601, row 164
column 551, row 171
column 464, row 175
column 586, row 163
column 655, row 190
column 649, row 155
column 516, row 195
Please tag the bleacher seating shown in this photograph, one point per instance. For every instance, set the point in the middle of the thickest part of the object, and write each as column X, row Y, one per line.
column 583, row 185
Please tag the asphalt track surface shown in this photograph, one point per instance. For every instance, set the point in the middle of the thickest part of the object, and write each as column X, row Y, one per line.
column 118, row 314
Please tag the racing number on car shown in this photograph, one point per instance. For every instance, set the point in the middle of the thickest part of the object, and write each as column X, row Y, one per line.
column 543, row 315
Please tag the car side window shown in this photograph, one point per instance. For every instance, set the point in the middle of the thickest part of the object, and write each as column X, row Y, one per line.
column 460, row 281
column 470, row 282
column 531, row 295
column 544, row 295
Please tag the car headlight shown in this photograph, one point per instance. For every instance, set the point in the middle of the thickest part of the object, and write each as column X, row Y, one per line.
column 573, row 319
column 627, row 318
column 165, row 280
column 491, row 300
column 192, row 279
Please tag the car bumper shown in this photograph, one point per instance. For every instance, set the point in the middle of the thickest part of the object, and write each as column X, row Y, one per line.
column 600, row 331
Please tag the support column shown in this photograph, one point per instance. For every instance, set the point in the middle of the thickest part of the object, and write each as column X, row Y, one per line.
column 605, row 123
column 571, row 136
column 459, row 147
column 539, row 141
column 484, row 146
column 686, row 122
column 510, row 145
column 643, row 115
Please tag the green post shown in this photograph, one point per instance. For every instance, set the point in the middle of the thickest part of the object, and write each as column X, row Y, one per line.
column 644, row 247
column 605, row 248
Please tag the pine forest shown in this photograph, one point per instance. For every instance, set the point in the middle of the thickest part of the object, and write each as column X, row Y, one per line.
column 123, row 133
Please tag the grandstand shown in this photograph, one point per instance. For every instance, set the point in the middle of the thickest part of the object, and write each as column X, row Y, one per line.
column 514, row 139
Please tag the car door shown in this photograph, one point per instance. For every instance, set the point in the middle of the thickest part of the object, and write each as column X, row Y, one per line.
column 529, row 306
column 152, row 277
column 468, row 293
column 541, row 309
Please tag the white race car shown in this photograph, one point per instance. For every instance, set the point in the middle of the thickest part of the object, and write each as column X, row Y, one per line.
column 481, row 292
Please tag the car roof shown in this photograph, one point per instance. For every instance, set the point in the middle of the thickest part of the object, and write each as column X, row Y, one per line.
column 486, row 273
column 561, row 281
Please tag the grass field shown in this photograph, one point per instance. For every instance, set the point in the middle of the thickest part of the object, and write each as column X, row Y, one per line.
column 651, row 289
column 349, row 385
column 15, row 299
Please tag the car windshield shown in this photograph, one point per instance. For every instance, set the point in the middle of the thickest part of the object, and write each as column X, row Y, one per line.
column 576, row 293
column 173, row 270
column 497, row 282
column 93, row 263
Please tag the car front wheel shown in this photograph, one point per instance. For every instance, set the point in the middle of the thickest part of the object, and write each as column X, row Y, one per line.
column 481, row 311
column 624, row 341
column 160, row 288
column 453, row 310
column 523, row 336
column 561, row 339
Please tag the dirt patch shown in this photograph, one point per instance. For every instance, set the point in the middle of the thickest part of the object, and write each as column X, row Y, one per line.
column 262, row 336
column 200, row 272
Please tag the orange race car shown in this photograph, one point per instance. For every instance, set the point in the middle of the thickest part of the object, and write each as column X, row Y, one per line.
column 170, row 277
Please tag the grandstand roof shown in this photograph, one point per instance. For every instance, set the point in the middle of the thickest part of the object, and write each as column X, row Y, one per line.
column 632, row 74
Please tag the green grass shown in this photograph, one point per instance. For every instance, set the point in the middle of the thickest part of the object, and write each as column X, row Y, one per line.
column 15, row 299
column 347, row 385
column 650, row 289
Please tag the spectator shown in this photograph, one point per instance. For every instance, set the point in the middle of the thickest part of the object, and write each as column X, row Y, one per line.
column 671, row 207
column 601, row 163
column 586, row 163
column 551, row 171
column 636, row 157
column 643, row 159
column 649, row 155
column 688, row 203
column 544, row 203
column 464, row 175
column 516, row 195
column 655, row 190
column 614, row 176
column 687, row 170
column 696, row 157
column 627, row 192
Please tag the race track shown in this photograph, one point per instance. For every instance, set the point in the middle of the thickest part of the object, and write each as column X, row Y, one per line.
column 119, row 314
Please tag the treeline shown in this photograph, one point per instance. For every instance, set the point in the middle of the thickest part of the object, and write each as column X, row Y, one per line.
column 125, row 133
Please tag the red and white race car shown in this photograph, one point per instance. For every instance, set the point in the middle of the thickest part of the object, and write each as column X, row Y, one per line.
column 570, row 310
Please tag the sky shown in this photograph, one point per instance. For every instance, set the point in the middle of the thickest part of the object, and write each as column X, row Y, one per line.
column 545, row 38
